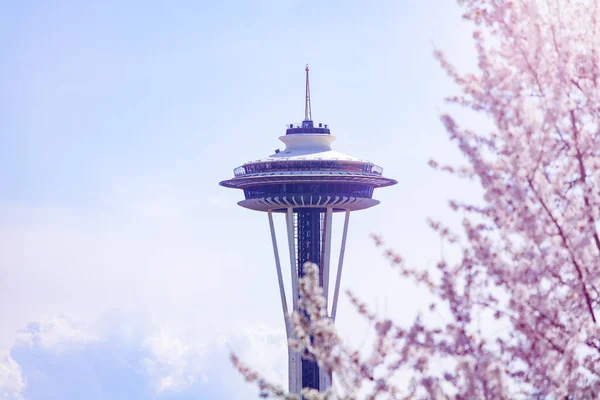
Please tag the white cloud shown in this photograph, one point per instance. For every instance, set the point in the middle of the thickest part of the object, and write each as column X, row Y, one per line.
column 55, row 334
column 264, row 348
column 68, row 359
column 173, row 363
column 12, row 382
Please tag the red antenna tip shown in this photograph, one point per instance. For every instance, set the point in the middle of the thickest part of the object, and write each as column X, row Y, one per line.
column 306, row 69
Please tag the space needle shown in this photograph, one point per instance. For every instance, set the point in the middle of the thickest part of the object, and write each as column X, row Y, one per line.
column 307, row 183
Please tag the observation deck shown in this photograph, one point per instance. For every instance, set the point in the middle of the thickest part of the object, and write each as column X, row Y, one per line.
column 308, row 174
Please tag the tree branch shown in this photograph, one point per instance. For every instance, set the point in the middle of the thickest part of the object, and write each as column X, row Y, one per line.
column 566, row 246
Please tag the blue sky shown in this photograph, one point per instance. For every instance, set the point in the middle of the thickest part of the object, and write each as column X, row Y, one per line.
column 117, row 123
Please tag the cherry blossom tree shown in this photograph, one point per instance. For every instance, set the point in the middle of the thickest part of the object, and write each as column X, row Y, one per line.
column 530, row 252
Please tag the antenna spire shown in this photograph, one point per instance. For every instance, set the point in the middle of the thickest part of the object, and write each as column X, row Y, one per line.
column 307, row 111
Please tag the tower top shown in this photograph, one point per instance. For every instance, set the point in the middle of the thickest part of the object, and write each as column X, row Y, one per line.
column 307, row 126
column 308, row 173
column 307, row 110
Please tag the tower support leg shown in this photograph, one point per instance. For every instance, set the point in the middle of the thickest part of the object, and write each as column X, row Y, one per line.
column 340, row 264
column 292, row 250
column 324, row 375
column 289, row 330
column 325, row 262
column 294, row 359
column 284, row 306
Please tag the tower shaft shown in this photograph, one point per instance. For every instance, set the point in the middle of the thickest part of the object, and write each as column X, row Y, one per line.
column 309, row 250
column 309, row 240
